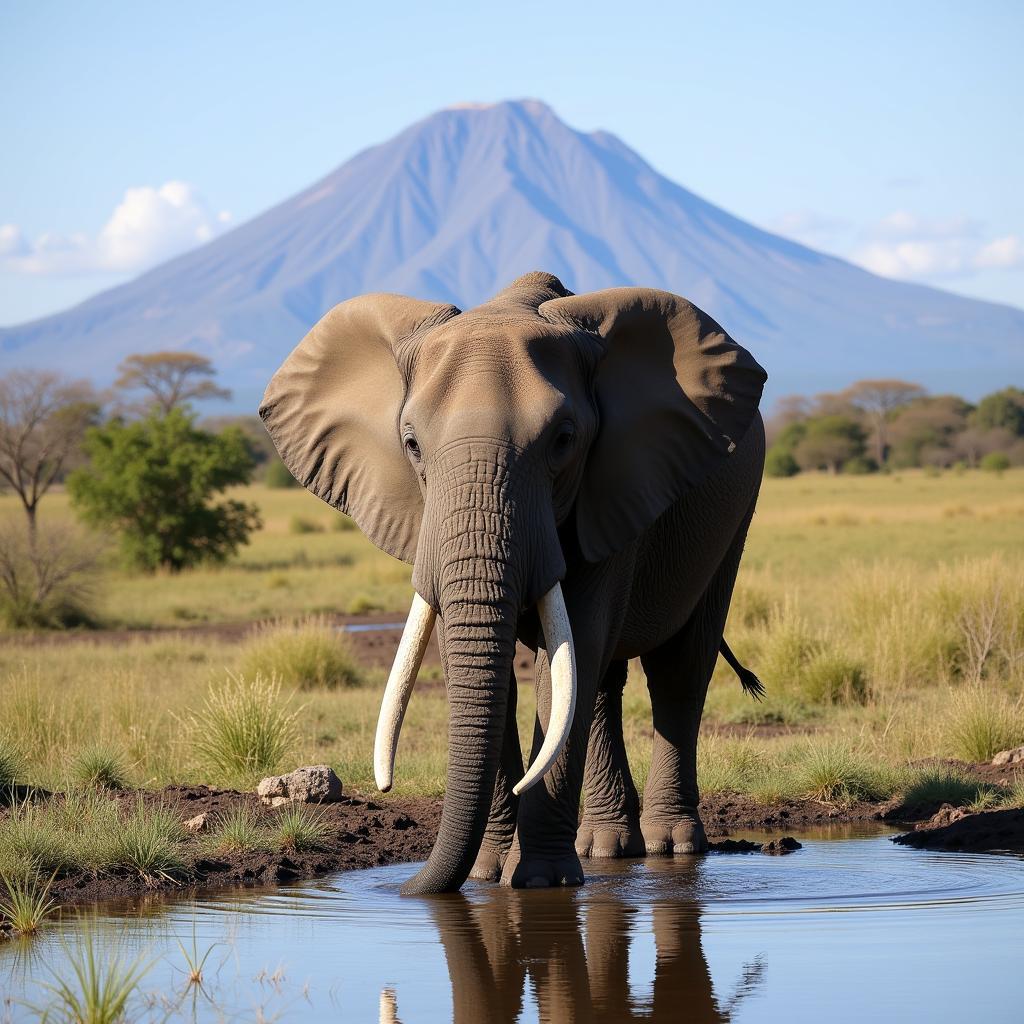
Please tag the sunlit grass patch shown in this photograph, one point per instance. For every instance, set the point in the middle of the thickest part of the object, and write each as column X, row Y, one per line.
column 833, row 773
column 240, row 830
column 942, row 784
column 300, row 828
column 244, row 729
column 99, row 765
column 306, row 654
column 27, row 902
column 981, row 721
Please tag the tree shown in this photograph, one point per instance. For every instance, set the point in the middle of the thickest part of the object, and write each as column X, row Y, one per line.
column 1002, row 409
column 43, row 418
column 154, row 481
column 829, row 441
column 779, row 462
column 878, row 400
column 173, row 379
column 924, row 431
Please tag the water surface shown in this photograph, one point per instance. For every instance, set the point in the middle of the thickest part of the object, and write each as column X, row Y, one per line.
column 846, row 929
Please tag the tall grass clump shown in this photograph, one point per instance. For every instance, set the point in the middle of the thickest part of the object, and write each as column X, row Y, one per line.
column 99, row 766
column 28, row 902
column 934, row 785
column 149, row 842
column 301, row 828
column 244, row 728
column 833, row 773
column 981, row 722
column 240, row 830
column 11, row 767
column 797, row 662
column 97, row 985
column 309, row 653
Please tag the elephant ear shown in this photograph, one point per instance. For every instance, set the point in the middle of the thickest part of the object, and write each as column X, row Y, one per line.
column 332, row 411
column 675, row 395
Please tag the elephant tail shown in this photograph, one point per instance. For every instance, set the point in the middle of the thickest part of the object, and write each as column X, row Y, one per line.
column 750, row 683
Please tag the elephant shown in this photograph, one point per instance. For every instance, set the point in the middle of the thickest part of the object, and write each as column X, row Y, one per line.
column 577, row 959
column 577, row 472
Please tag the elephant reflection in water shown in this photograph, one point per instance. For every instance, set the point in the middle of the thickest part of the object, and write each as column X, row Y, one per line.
column 579, row 970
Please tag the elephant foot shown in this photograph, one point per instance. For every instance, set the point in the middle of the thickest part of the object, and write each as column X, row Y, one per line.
column 603, row 839
column 488, row 865
column 683, row 834
column 535, row 872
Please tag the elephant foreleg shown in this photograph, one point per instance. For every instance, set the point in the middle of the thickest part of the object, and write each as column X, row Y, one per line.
column 611, row 814
column 501, row 821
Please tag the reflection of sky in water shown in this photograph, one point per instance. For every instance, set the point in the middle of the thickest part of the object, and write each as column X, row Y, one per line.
column 840, row 931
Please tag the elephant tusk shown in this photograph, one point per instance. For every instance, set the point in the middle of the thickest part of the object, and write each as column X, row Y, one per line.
column 554, row 621
column 399, row 689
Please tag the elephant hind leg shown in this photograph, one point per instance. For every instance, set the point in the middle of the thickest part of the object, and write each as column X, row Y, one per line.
column 678, row 674
column 611, row 814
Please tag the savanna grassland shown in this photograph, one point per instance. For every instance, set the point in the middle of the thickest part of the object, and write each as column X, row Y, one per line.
column 884, row 613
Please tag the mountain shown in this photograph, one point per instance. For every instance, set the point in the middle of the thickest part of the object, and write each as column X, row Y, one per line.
column 461, row 203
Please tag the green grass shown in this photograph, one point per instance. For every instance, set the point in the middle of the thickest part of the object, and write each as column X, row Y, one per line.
column 239, row 831
column 99, row 765
column 942, row 784
column 27, row 903
column 865, row 604
column 100, row 987
column 11, row 766
column 308, row 653
column 300, row 828
column 244, row 729
column 981, row 722
column 149, row 842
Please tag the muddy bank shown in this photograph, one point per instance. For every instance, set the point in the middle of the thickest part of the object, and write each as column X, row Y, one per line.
column 956, row 829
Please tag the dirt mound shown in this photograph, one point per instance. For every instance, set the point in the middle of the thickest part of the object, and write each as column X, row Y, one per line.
column 953, row 828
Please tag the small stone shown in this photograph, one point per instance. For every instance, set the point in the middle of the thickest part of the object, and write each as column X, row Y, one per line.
column 198, row 823
column 315, row 784
column 1012, row 756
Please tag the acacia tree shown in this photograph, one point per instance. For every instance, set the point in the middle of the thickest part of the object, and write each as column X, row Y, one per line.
column 154, row 481
column 173, row 379
column 43, row 418
column 829, row 441
column 878, row 400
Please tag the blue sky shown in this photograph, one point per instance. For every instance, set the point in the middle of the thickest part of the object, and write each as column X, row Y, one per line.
column 888, row 133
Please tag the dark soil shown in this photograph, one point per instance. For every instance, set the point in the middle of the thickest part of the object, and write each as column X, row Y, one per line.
column 363, row 834
column 954, row 828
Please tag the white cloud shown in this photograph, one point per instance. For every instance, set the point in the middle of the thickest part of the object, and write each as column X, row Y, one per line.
column 148, row 225
column 809, row 227
column 908, row 247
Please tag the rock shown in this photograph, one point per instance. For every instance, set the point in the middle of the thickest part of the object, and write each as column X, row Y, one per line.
column 1013, row 756
column 734, row 846
column 316, row 784
column 778, row 847
column 945, row 815
column 198, row 823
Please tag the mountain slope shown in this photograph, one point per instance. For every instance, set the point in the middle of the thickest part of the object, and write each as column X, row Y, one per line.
column 458, row 205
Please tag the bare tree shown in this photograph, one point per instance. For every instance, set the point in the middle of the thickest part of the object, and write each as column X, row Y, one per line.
column 172, row 378
column 42, row 419
column 878, row 400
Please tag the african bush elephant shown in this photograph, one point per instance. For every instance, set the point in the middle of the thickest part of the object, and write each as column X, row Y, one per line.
column 577, row 471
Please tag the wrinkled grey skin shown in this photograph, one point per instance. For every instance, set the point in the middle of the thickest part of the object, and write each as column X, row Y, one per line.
column 610, row 441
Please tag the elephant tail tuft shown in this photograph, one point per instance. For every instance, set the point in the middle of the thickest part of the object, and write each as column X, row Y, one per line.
column 752, row 686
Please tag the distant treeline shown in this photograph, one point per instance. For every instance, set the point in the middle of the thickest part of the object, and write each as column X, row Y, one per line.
column 880, row 425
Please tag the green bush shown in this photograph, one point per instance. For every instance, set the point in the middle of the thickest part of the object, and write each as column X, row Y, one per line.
column 244, row 729
column 154, row 482
column 779, row 462
column 278, row 476
column 308, row 653
column 859, row 465
column 995, row 462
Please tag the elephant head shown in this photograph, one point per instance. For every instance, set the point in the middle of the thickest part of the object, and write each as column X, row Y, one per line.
column 482, row 446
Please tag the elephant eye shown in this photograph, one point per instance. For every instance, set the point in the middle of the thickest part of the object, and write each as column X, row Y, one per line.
column 564, row 438
column 412, row 447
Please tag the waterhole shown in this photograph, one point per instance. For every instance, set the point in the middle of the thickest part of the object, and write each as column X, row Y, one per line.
column 849, row 928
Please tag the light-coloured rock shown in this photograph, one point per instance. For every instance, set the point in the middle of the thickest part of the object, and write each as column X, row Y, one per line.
column 1009, row 756
column 198, row 823
column 315, row 784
